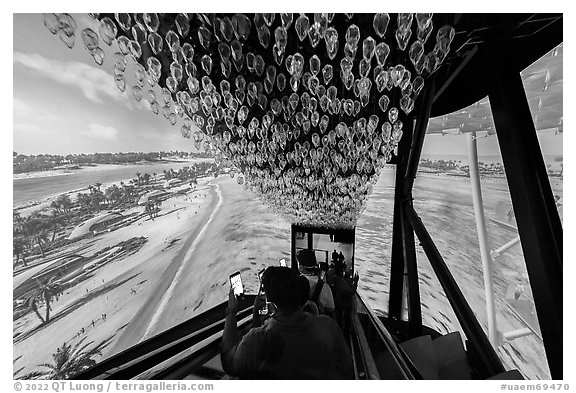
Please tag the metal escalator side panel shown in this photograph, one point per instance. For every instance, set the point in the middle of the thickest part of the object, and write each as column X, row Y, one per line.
column 398, row 358
column 185, row 362
column 164, row 344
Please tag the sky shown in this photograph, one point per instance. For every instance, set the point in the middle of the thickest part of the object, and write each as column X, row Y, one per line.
column 63, row 102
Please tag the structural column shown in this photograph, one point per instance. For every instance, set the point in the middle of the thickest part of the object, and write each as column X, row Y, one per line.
column 539, row 224
column 404, row 269
column 482, row 237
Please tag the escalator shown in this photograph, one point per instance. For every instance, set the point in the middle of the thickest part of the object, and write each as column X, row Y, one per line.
column 191, row 350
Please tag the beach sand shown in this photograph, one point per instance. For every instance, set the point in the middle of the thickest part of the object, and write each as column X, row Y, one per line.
column 109, row 290
column 166, row 283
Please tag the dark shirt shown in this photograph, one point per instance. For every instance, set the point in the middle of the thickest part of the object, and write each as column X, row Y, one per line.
column 310, row 348
column 343, row 290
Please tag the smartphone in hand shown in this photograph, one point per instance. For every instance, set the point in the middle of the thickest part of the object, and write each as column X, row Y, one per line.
column 264, row 308
column 236, row 283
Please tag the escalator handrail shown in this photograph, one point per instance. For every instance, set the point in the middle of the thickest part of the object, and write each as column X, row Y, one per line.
column 165, row 344
column 398, row 356
column 173, row 349
column 197, row 358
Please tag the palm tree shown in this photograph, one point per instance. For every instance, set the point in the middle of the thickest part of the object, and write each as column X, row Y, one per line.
column 84, row 201
column 68, row 361
column 18, row 247
column 56, row 222
column 17, row 221
column 46, row 291
column 65, row 202
column 96, row 198
column 32, row 304
column 36, row 226
column 149, row 208
column 56, row 206
column 113, row 194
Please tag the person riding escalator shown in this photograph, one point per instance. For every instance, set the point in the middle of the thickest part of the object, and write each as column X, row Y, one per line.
column 292, row 344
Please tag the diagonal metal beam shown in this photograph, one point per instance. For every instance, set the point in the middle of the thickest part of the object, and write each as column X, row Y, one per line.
column 420, row 128
column 478, row 343
column 539, row 224
column 469, row 55
column 404, row 269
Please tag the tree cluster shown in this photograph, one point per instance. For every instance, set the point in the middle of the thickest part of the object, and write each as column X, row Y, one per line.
column 22, row 163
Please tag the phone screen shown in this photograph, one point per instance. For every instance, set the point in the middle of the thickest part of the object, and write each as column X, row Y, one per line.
column 236, row 282
column 283, row 262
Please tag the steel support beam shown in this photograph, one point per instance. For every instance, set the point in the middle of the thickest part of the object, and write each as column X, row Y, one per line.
column 478, row 343
column 482, row 237
column 397, row 267
column 539, row 224
column 404, row 262
column 501, row 250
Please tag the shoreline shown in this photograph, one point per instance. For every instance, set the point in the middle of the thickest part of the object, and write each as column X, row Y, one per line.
column 95, row 168
column 112, row 295
column 31, row 204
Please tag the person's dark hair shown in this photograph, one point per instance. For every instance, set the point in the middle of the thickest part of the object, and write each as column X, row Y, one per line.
column 306, row 258
column 283, row 288
column 304, row 286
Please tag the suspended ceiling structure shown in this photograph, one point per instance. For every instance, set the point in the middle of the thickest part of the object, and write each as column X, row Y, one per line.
column 308, row 108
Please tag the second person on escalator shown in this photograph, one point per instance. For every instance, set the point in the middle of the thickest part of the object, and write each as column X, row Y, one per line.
column 320, row 293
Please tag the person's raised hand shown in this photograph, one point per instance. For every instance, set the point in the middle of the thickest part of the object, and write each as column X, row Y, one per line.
column 232, row 302
column 259, row 302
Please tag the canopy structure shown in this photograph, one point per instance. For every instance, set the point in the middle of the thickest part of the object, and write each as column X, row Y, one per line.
column 152, row 194
column 169, row 183
column 86, row 226
column 310, row 107
column 543, row 82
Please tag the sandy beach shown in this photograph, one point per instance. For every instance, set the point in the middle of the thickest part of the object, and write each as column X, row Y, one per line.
column 168, row 280
column 203, row 236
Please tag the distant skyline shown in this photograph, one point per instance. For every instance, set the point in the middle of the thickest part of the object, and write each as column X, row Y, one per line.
column 63, row 103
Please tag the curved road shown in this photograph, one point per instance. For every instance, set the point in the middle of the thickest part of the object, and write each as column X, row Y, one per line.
column 236, row 232
column 146, row 319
